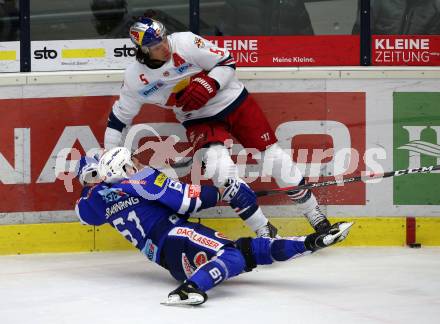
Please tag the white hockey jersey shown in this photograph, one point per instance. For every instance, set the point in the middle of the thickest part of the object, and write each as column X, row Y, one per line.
column 190, row 54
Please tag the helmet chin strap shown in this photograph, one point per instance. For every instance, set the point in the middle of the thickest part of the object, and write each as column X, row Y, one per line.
column 133, row 167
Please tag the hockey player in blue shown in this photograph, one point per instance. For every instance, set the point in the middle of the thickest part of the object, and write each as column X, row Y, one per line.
column 151, row 211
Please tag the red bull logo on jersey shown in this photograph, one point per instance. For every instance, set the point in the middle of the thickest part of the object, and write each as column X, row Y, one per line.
column 199, row 42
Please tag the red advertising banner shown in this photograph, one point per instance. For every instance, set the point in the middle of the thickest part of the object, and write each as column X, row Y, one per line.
column 327, row 50
column 417, row 50
column 35, row 131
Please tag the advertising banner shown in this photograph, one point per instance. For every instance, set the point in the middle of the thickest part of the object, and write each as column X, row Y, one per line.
column 74, row 55
column 325, row 130
column 248, row 51
column 416, row 144
column 327, row 50
column 406, row 50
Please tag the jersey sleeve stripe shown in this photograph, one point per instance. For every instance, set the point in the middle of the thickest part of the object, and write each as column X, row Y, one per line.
column 229, row 61
column 223, row 265
column 115, row 123
column 192, row 205
column 198, row 204
column 186, row 201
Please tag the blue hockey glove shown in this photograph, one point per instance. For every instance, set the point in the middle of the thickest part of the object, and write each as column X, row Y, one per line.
column 238, row 194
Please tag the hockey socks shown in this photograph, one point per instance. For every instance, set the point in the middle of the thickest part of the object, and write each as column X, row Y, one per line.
column 224, row 173
column 262, row 250
column 250, row 252
column 228, row 263
column 244, row 201
column 308, row 205
column 279, row 165
column 258, row 251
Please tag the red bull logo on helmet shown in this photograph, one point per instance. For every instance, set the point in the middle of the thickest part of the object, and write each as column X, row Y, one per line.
column 136, row 36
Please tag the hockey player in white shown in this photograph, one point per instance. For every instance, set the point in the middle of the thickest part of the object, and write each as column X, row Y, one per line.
column 196, row 79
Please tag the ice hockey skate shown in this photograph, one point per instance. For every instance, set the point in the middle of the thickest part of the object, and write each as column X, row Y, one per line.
column 267, row 230
column 321, row 224
column 186, row 295
column 335, row 234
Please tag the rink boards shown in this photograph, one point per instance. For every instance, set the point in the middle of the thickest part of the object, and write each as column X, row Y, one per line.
column 388, row 118
column 74, row 237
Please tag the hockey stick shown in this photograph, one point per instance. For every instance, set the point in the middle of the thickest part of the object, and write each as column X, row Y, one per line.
column 182, row 163
column 293, row 189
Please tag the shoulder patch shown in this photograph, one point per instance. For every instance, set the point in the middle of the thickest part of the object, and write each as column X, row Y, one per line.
column 199, row 42
column 160, row 179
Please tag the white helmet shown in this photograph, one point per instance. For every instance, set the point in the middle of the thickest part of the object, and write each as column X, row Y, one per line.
column 112, row 165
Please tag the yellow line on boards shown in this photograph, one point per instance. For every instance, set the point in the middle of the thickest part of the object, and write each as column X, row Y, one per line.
column 74, row 237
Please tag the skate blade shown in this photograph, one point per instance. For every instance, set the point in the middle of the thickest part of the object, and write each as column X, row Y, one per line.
column 191, row 301
column 344, row 228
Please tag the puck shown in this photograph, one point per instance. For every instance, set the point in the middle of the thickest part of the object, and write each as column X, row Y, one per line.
column 415, row 245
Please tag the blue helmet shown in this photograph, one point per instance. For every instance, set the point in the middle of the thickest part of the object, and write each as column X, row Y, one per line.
column 87, row 170
column 147, row 32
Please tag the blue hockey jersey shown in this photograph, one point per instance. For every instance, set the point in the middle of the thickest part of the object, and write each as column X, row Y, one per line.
column 144, row 207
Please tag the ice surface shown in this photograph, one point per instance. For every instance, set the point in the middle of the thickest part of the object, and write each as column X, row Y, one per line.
column 337, row 285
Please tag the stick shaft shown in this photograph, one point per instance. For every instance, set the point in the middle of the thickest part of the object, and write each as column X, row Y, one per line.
column 182, row 163
column 396, row 173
